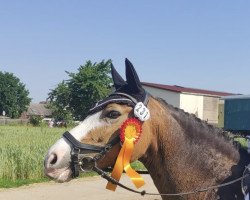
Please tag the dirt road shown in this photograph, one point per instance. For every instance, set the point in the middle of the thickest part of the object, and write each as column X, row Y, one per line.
column 86, row 188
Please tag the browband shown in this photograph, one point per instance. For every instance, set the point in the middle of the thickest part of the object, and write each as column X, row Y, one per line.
column 118, row 97
column 145, row 102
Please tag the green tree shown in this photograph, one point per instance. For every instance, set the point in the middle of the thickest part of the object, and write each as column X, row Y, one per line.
column 90, row 84
column 59, row 102
column 13, row 95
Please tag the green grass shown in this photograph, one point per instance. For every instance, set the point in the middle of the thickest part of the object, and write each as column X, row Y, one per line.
column 22, row 151
column 17, row 183
column 137, row 165
column 242, row 141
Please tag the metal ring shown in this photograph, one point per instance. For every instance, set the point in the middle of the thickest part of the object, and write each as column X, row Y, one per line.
column 87, row 163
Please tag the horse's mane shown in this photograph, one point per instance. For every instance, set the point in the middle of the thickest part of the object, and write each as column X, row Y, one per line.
column 199, row 131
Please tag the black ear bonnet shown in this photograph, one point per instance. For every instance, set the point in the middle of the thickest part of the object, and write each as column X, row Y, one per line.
column 128, row 92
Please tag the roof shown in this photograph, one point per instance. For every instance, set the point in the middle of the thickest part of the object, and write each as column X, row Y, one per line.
column 180, row 89
column 39, row 109
column 237, row 97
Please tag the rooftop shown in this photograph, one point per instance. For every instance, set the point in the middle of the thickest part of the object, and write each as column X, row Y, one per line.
column 39, row 109
column 180, row 89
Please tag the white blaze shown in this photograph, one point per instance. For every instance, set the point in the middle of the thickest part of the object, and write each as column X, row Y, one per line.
column 91, row 122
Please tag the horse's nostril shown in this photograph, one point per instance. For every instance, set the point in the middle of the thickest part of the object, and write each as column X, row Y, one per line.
column 53, row 159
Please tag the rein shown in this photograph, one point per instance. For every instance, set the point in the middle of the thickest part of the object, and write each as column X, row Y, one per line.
column 106, row 176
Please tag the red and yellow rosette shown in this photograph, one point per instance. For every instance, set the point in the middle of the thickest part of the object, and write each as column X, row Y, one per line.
column 129, row 133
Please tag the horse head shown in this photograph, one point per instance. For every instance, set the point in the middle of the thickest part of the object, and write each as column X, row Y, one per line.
column 101, row 127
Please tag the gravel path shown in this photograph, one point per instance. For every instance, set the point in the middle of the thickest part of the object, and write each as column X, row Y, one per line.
column 92, row 188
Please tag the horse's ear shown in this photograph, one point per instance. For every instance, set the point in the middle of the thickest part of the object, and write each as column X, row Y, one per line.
column 132, row 77
column 118, row 80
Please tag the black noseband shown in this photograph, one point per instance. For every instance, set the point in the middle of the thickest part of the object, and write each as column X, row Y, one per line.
column 81, row 147
column 78, row 148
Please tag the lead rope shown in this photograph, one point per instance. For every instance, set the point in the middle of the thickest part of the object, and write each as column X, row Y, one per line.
column 143, row 192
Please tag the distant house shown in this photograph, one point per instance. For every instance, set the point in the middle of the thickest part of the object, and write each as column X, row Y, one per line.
column 203, row 103
column 37, row 109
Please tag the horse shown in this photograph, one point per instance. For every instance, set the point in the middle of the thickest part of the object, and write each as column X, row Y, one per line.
column 181, row 152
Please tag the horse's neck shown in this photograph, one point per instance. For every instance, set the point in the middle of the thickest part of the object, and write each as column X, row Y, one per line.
column 177, row 165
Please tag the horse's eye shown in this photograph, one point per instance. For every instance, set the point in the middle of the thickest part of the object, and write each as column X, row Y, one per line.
column 113, row 114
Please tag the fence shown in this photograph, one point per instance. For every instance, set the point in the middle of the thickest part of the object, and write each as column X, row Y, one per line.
column 13, row 121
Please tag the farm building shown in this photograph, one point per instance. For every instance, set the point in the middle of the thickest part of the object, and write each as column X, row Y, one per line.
column 203, row 103
column 235, row 113
column 37, row 109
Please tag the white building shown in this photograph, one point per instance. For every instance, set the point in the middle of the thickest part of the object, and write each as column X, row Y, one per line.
column 203, row 103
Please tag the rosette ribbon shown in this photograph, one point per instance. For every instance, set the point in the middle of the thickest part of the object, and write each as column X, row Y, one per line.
column 130, row 134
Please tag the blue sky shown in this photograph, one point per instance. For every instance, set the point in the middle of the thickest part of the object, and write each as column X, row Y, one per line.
column 201, row 44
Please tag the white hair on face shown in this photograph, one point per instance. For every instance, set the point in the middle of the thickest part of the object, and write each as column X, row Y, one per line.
column 91, row 122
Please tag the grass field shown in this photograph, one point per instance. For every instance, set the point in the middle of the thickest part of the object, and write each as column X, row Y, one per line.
column 22, row 151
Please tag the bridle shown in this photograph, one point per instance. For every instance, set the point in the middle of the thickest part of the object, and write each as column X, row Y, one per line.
column 81, row 160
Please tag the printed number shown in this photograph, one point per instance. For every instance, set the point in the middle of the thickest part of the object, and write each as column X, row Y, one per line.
column 139, row 107
column 145, row 115
column 143, row 111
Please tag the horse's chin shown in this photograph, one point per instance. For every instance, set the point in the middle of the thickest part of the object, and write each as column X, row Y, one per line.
column 60, row 175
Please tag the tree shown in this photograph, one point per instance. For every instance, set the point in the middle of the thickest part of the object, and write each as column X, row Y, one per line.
column 90, row 84
column 59, row 102
column 13, row 95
